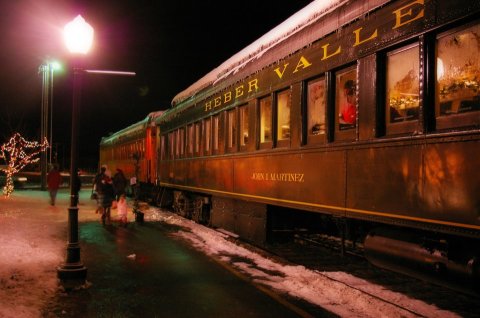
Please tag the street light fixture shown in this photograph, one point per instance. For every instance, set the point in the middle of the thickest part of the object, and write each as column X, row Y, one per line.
column 78, row 36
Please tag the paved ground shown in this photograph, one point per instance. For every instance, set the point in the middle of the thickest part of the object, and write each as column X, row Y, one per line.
column 144, row 270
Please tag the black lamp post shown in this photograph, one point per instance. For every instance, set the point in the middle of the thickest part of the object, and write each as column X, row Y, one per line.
column 79, row 37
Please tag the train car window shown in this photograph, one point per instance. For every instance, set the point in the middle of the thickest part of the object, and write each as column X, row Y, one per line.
column 243, row 112
column 232, row 130
column 402, row 89
column 266, row 122
column 163, row 147
column 190, row 139
column 316, row 103
column 171, row 145
column 207, row 128
column 283, row 104
column 215, row 128
column 457, row 98
column 181, row 141
column 198, row 138
column 346, row 103
column 177, row 143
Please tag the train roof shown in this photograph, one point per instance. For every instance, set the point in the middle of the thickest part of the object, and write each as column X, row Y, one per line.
column 132, row 130
column 309, row 15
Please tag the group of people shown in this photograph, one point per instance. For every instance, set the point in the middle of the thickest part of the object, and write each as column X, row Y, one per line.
column 109, row 191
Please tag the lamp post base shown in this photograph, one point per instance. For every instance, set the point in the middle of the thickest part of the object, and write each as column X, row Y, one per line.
column 72, row 275
column 138, row 216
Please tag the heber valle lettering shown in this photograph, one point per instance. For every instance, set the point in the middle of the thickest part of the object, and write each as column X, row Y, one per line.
column 280, row 176
column 237, row 92
column 401, row 17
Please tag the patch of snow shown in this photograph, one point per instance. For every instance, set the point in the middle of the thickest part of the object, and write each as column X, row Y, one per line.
column 330, row 290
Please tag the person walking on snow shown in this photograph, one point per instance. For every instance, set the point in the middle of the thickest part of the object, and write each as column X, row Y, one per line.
column 54, row 179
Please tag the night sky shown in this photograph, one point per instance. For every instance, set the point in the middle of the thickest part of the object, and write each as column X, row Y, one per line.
column 169, row 45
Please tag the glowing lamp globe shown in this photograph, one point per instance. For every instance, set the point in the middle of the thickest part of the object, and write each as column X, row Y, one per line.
column 78, row 36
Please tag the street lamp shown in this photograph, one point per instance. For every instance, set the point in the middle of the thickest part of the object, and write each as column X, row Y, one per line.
column 78, row 36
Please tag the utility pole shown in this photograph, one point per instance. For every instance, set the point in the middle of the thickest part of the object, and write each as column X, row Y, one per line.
column 46, row 79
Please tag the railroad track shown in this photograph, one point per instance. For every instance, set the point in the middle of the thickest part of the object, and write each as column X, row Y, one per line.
column 323, row 255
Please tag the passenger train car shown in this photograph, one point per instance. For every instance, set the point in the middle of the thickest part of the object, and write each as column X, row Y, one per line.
column 131, row 147
column 359, row 119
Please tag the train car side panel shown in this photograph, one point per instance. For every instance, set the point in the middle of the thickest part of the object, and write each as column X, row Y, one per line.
column 294, row 179
column 210, row 175
column 419, row 182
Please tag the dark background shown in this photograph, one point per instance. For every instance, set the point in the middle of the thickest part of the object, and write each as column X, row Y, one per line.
column 169, row 44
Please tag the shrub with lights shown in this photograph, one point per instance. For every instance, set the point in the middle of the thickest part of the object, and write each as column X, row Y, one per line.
column 17, row 153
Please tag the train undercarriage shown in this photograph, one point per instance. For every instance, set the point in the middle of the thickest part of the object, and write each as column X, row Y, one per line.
column 447, row 260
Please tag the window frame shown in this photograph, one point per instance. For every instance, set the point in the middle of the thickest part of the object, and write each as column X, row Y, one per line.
column 216, row 134
column 266, row 144
column 311, row 139
column 244, row 116
column 231, row 141
column 402, row 127
column 284, row 142
column 348, row 134
column 197, row 131
column 456, row 120
column 207, row 138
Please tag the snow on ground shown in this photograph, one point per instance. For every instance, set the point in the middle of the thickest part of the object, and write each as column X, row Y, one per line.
column 33, row 241
column 330, row 290
column 29, row 254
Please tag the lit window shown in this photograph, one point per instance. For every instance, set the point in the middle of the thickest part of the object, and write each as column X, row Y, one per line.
column 198, row 137
column 207, row 123
column 316, row 107
column 182, row 141
column 232, row 128
column 163, row 147
column 243, row 125
column 190, row 139
column 402, row 85
column 458, row 72
column 346, row 99
column 283, row 115
column 265, row 120
column 215, row 132
column 171, row 144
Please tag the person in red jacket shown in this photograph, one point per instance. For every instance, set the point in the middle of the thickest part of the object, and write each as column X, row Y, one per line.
column 54, row 179
column 348, row 115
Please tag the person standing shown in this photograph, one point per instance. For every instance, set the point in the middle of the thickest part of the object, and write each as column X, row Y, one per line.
column 54, row 179
column 122, row 210
column 107, row 199
column 98, row 188
column 348, row 115
column 119, row 183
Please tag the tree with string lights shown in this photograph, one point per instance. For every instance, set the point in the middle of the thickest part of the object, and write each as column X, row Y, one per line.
column 17, row 153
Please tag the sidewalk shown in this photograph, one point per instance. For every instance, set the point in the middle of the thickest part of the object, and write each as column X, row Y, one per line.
column 33, row 238
column 166, row 267
column 144, row 270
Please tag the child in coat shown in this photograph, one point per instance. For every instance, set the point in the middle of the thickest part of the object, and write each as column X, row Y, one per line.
column 122, row 209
